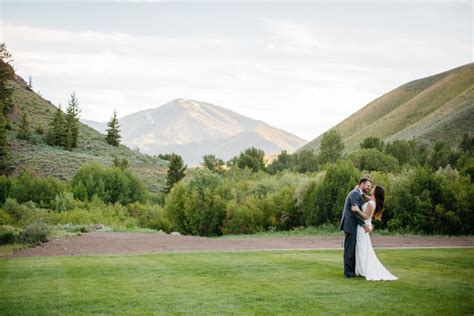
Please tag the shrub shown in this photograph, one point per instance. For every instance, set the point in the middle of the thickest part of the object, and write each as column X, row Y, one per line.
column 426, row 202
column 41, row 191
column 198, row 206
column 9, row 234
column 149, row 216
column 35, row 233
column 81, row 228
column 373, row 160
column 64, row 202
column 5, row 187
column 243, row 219
column 112, row 185
column 324, row 203
column 5, row 218
column 372, row 142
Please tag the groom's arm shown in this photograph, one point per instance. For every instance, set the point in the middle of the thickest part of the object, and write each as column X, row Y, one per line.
column 354, row 197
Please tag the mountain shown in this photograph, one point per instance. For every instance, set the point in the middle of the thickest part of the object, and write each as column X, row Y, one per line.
column 439, row 107
column 42, row 160
column 193, row 129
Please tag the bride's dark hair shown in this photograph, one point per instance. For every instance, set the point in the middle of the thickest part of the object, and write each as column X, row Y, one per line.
column 379, row 194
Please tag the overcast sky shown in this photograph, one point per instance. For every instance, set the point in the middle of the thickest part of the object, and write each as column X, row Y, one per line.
column 302, row 67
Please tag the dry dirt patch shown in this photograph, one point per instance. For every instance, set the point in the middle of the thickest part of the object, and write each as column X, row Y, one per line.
column 98, row 243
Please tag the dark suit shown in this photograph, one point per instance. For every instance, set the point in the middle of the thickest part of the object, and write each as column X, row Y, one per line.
column 349, row 222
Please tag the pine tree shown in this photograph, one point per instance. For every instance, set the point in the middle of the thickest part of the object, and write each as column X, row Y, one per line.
column 113, row 131
column 56, row 135
column 30, row 84
column 71, row 126
column 6, row 73
column 6, row 106
column 24, row 132
column 176, row 169
column 3, row 143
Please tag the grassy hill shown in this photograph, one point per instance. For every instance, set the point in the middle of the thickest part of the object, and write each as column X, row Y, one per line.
column 440, row 107
column 43, row 160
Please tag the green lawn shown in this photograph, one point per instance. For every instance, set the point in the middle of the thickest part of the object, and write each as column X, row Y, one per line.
column 432, row 281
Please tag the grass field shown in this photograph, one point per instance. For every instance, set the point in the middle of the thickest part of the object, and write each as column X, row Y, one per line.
column 432, row 281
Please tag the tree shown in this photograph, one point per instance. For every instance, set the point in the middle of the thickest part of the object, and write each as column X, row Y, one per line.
column 56, row 135
column 213, row 163
column 305, row 161
column 3, row 143
column 24, row 132
column 372, row 142
column 323, row 202
column 176, row 169
column 113, row 131
column 6, row 106
column 467, row 144
column 251, row 158
column 284, row 161
column 373, row 160
column 71, row 127
column 6, row 73
column 442, row 155
column 400, row 149
column 331, row 147
column 30, row 83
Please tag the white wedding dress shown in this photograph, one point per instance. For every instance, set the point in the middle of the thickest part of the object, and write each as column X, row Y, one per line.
column 367, row 263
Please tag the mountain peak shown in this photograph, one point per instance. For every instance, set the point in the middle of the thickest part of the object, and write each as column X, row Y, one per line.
column 193, row 128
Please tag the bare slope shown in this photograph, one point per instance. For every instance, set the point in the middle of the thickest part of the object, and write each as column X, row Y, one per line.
column 440, row 107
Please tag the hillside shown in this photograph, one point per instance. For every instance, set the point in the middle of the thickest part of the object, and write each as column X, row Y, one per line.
column 439, row 107
column 43, row 160
column 193, row 129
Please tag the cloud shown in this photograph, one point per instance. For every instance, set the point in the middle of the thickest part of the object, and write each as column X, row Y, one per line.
column 289, row 36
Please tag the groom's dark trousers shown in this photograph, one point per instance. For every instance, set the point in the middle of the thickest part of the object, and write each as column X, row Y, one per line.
column 349, row 254
column 349, row 222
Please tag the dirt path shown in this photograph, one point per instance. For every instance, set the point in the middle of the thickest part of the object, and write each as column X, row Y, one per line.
column 120, row 243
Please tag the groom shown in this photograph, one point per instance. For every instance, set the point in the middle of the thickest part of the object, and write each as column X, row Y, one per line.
column 349, row 222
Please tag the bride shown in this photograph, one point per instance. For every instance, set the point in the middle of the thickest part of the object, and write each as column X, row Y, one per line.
column 367, row 263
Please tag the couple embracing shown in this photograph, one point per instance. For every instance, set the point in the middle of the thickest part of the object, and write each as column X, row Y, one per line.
column 360, row 206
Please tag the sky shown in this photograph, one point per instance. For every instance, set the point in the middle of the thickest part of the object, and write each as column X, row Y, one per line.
column 299, row 66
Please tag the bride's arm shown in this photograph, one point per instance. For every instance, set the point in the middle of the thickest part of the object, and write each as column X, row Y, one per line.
column 368, row 211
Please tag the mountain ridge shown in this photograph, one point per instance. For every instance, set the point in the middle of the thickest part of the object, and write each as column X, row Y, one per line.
column 438, row 107
column 193, row 128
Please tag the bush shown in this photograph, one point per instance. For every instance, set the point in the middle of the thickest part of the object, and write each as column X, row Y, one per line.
column 149, row 216
column 78, row 228
column 9, row 234
column 5, row 187
column 197, row 207
column 5, row 218
column 41, row 191
column 243, row 219
column 323, row 203
column 64, row 202
column 26, row 213
column 35, row 233
column 373, row 160
column 112, row 185
column 433, row 203
column 372, row 142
